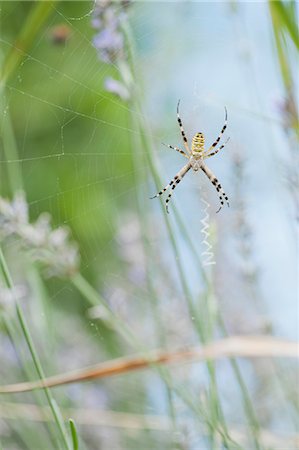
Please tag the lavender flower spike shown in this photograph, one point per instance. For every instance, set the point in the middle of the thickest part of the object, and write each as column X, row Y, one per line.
column 48, row 246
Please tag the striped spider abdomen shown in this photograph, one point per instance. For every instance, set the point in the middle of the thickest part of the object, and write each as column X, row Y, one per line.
column 198, row 143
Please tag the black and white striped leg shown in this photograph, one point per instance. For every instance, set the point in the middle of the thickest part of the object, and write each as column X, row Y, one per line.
column 174, row 182
column 217, row 150
column 177, row 149
column 185, row 141
column 164, row 189
column 217, row 185
column 221, row 133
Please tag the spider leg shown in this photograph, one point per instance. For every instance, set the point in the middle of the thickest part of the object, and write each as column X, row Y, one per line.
column 217, row 185
column 185, row 141
column 177, row 149
column 174, row 182
column 206, row 155
column 180, row 175
column 221, row 133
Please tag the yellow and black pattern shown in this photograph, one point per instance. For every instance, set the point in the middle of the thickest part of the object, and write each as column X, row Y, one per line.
column 196, row 157
column 198, row 143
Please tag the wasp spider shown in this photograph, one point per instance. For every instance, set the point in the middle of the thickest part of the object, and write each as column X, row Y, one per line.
column 196, row 157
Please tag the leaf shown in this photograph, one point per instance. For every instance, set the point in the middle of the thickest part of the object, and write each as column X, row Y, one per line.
column 74, row 434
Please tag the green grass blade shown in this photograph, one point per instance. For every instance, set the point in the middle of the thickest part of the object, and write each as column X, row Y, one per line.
column 9, row 284
column 286, row 14
column 38, row 15
column 74, row 434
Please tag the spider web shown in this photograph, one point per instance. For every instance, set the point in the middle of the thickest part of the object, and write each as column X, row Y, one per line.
column 77, row 144
column 64, row 116
column 84, row 142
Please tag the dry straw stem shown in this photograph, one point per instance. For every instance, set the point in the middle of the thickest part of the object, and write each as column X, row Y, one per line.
column 249, row 346
column 84, row 416
column 137, row 422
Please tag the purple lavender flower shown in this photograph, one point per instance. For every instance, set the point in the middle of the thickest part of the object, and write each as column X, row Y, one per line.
column 48, row 246
column 109, row 42
column 117, row 88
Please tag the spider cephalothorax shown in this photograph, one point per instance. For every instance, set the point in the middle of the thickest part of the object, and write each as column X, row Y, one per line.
column 196, row 157
column 196, row 161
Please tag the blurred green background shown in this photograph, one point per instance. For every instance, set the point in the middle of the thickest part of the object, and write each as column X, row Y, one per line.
column 92, row 158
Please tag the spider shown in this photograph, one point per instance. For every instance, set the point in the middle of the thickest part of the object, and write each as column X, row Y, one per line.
column 196, row 157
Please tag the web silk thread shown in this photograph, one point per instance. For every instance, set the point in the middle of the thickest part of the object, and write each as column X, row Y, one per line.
column 207, row 255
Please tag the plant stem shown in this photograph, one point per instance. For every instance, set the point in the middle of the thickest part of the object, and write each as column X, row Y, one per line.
column 9, row 284
column 145, row 135
column 9, row 146
column 34, row 21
